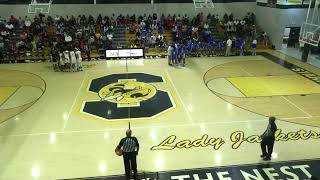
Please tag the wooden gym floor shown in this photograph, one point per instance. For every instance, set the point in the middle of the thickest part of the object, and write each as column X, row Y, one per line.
column 54, row 125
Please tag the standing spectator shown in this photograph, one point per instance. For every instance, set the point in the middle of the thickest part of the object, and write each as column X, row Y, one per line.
column 268, row 138
column 265, row 38
column 183, row 56
column 254, row 47
column 86, row 49
column 1, row 52
column 229, row 45
column 242, row 45
column 130, row 149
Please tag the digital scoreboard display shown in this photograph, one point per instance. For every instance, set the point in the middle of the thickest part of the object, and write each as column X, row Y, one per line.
column 124, row 53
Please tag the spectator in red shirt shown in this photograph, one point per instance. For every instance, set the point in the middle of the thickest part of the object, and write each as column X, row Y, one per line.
column 13, row 20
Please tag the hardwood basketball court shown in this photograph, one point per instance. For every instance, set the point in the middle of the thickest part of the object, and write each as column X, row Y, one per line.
column 210, row 113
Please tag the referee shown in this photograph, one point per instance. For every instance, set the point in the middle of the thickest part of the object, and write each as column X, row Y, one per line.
column 130, row 148
column 268, row 138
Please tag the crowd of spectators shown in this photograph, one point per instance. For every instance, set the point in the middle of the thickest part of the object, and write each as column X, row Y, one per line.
column 57, row 33
column 195, row 33
column 62, row 33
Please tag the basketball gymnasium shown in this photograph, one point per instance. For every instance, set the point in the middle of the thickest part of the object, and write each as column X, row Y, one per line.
column 76, row 75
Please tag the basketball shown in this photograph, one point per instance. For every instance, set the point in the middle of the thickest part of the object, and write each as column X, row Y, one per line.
column 118, row 152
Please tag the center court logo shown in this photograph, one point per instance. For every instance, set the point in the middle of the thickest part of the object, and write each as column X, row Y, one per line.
column 127, row 97
column 127, row 92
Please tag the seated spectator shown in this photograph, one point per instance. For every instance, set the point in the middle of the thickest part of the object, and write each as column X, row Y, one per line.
column 9, row 26
column 206, row 26
column 13, row 20
column 67, row 38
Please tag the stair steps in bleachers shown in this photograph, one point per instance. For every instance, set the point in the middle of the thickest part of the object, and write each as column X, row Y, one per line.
column 119, row 38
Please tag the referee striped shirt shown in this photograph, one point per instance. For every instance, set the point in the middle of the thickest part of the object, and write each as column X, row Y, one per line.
column 129, row 144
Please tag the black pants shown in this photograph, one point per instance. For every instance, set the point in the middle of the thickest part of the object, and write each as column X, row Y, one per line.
column 169, row 60
column 1, row 58
column 267, row 144
column 130, row 163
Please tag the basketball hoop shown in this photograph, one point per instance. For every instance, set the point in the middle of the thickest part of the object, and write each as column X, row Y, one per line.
column 199, row 4
column 43, row 7
column 310, row 29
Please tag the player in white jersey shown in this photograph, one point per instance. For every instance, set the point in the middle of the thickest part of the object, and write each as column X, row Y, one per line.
column 79, row 60
column 61, row 62
column 73, row 61
column 67, row 61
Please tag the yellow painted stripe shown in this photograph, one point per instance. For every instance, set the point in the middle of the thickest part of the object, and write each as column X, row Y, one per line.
column 274, row 85
column 6, row 92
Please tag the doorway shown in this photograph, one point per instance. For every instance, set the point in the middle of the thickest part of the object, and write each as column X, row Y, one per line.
column 291, row 37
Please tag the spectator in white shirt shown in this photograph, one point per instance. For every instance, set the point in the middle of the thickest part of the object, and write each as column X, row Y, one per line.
column 67, row 38
column 9, row 26
column 242, row 22
column 109, row 36
column 57, row 18
column 206, row 26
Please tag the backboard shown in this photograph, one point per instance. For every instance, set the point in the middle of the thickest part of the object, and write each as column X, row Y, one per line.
column 39, row 7
column 310, row 30
column 203, row 4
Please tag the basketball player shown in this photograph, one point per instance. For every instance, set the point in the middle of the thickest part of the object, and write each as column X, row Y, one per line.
column 268, row 139
column 73, row 61
column 61, row 62
column 79, row 60
column 67, row 60
column 130, row 148
column 174, row 55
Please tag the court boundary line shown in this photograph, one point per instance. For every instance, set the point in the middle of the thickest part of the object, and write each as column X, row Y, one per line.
column 247, row 72
column 293, row 59
column 178, row 94
column 305, row 117
column 292, row 103
column 74, row 102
